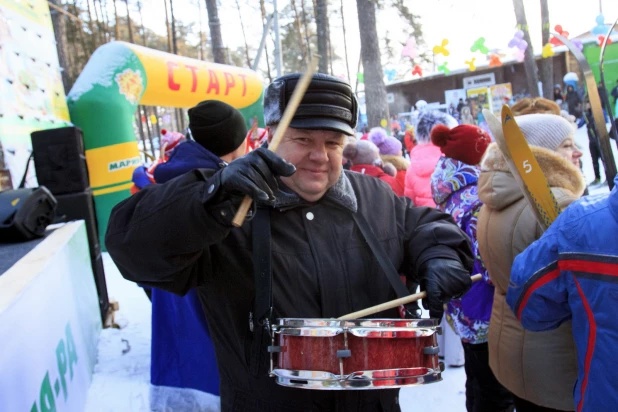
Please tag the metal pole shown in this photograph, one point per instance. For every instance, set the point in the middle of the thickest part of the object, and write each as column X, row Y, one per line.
column 262, row 42
column 278, row 63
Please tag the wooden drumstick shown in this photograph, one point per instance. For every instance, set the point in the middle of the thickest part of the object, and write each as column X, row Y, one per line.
column 290, row 110
column 393, row 303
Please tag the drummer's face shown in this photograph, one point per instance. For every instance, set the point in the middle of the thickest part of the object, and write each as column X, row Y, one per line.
column 317, row 155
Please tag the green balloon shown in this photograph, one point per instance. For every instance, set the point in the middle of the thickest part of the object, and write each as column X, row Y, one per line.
column 360, row 77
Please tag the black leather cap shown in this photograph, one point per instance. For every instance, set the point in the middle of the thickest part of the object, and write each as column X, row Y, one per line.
column 328, row 104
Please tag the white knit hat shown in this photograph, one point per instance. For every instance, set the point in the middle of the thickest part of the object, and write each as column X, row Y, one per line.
column 545, row 130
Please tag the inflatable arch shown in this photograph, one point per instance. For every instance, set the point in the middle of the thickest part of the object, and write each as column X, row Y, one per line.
column 120, row 76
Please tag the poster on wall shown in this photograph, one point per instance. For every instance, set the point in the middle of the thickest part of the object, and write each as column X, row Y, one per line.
column 479, row 98
column 500, row 94
column 30, row 81
column 453, row 96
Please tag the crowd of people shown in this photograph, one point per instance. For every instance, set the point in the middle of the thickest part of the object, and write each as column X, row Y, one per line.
column 534, row 334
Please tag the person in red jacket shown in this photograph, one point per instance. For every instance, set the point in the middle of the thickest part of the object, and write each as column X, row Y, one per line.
column 390, row 152
column 365, row 158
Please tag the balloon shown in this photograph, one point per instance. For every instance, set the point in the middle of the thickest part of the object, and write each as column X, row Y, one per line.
column 558, row 29
column 153, row 119
column 410, row 49
column 443, row 68
column 383, row 123
column 548, row 51
column 417, row 70
column 441, row 49
column 578, row 43
column 479, row 45
column 494, row 61
column 601, row 28
column 360, row 77
column 471, row 65
column 520, row 55
column 601, row 39
column 390, row 74
column 518, row 41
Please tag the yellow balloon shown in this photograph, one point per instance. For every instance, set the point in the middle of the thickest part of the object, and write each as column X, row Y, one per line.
column 383, row 122
column 153, row 119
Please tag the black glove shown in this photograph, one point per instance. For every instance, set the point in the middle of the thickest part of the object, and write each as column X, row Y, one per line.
column 443, row 279
column 255, row 175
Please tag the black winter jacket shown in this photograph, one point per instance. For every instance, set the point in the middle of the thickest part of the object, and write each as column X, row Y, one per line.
column 321, row 265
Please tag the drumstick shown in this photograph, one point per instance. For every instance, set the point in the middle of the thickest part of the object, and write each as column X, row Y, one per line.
column 290, row 110
column 393, row 303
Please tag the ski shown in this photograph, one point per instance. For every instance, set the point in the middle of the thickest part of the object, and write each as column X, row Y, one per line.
column 597, row 110
column 523, row 166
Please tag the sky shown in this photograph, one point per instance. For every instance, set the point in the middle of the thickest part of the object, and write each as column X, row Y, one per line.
column 461, row 22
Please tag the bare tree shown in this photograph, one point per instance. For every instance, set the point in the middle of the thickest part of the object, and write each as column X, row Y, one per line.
column 303, row 47
column 141, row 18
column 174, row 39
column 58, row 21
column 345, row 44
column 529, row 62
column 305, row 25
column 547, row 65
column 242, row 26
column 116, row 26
column 126, row 2
column 169, row 30
column 218, row 49
column 202, row 41
column 375, row 91
column 321, row 19
column 263, row 10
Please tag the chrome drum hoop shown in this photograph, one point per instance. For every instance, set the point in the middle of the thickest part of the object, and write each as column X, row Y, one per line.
column 365, row 328
column 362, row 380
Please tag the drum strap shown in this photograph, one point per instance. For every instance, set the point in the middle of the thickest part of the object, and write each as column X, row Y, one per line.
column 378, row 251
column 262, row 277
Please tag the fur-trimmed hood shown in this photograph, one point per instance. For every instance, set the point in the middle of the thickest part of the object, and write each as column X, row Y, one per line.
column 499, row 189
column 400, row 162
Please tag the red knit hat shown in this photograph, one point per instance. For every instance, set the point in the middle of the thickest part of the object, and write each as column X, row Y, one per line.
column 465, row 142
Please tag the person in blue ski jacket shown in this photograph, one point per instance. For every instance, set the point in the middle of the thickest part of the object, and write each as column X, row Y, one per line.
column 184, row 370
column 571, row 272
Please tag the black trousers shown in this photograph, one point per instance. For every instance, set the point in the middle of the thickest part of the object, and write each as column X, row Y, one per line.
column 483, row 391
column 522, row 405
column 595, row 154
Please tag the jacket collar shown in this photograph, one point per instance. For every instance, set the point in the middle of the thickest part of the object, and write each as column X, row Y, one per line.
column 498, row 188
column 450, row 176
column 340, row 195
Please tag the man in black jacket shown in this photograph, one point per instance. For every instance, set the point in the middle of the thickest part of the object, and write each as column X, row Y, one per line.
column 321, row 264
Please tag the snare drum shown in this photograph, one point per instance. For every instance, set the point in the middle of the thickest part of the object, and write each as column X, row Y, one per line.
column 354, row 354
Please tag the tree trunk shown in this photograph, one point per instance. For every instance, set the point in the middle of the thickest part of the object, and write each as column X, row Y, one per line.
column 321, row 19
column 58, row 21
column 116, row 26
column 93, row 34
column 202, row 54
column 547, row 65
column 141, row 18
column 345, row 44
column 299, row 32
column 174, row 39
column 218, row 49
column 305, row 24
column 242, row 26
column 263, row 10
column 169, row 31
column 375, row 91
column 529, row 62
column 126, row 2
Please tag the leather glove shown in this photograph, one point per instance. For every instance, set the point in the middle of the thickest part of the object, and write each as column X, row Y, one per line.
column 255, row 175
column 443, row 279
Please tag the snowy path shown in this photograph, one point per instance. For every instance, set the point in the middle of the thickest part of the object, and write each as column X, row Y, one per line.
column 121, row 381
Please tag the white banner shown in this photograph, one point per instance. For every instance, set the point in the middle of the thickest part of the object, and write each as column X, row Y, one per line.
column 49, row 325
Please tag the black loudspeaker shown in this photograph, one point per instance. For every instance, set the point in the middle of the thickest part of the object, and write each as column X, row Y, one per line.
column 59, row 160
column 99, row 281
column 25, row 213
column 80, row 206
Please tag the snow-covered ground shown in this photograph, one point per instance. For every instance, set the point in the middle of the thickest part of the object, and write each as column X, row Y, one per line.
column 122, row 374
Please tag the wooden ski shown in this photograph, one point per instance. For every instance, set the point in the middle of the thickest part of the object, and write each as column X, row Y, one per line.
column 597, row 110
column 523, row 166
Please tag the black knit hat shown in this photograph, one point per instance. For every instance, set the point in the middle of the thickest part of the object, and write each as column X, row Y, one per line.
column 217, row 126
column 328, row 103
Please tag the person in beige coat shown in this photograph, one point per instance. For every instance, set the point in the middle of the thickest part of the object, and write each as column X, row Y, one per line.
column 539, row 368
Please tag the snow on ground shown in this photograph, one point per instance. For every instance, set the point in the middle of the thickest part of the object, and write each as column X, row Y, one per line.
column 121, row 377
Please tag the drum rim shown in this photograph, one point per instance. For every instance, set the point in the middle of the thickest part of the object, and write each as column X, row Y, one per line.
column 356, row 323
